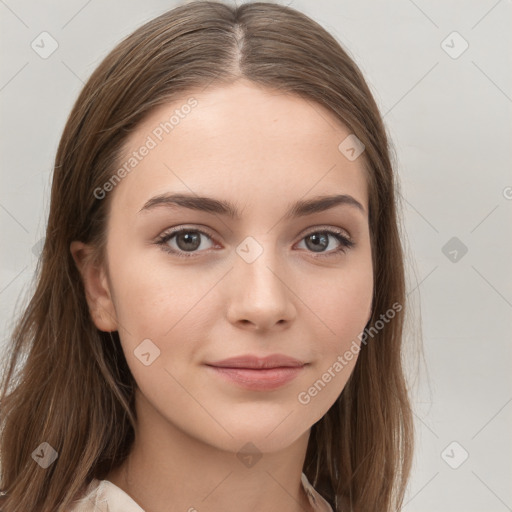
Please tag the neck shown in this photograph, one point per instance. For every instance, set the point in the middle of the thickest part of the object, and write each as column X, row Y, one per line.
column 168, row 469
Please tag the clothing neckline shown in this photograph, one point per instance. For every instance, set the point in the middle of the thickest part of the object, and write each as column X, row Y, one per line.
column 107, row 496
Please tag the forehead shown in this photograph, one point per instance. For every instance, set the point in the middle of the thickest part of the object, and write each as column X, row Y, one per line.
column 239, row 139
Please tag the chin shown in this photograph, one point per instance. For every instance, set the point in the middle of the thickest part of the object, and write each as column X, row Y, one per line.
column 268, row 437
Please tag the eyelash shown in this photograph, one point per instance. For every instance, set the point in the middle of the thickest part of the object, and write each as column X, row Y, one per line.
column 345, row 243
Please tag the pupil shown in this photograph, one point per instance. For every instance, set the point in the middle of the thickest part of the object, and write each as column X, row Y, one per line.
column 190, row 239
column 317, row 241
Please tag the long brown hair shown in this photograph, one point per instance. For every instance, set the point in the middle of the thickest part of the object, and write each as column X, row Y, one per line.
column 74, row 389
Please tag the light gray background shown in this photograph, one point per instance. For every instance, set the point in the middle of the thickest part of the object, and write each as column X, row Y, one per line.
column 450, row 121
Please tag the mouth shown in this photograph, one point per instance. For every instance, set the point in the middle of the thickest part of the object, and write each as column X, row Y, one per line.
column 258, row 379
column 257, row 373
column 254, row 362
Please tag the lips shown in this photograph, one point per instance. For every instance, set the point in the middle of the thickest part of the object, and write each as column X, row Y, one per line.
column 258, row 373
column 250, row 361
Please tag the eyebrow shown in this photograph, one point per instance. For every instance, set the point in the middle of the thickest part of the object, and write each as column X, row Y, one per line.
column 300, row 208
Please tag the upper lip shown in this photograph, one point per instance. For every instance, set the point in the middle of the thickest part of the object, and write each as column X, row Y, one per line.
column 251, row 361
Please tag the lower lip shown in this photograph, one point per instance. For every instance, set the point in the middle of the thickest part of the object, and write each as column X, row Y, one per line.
column 259, row 380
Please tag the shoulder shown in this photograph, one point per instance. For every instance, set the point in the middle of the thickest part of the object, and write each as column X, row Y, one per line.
column 102, row 494
column 317, row 501
column 85, row 502
column 96, row 496
column 90, row 499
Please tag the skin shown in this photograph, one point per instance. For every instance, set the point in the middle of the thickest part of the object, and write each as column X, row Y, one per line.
column 261, row 150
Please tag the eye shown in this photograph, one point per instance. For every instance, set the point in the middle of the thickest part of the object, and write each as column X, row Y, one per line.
column 188, row 241
column 319, row 240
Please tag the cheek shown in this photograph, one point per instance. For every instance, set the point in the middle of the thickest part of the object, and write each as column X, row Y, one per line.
column 165, row 305
column 158, row 328
column 341, row 311
column 152, row 294
column 341, row 305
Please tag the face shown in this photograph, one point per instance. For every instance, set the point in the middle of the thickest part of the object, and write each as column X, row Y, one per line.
column 189, row 286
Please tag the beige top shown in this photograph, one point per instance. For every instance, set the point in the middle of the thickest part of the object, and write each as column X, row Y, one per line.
column 104, row 496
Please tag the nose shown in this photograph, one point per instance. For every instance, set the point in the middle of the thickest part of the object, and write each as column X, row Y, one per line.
column 261, row 298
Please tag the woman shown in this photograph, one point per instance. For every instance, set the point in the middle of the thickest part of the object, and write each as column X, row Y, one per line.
column 218, row 316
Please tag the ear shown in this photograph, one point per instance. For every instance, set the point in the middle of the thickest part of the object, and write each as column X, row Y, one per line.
column 97, row 289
